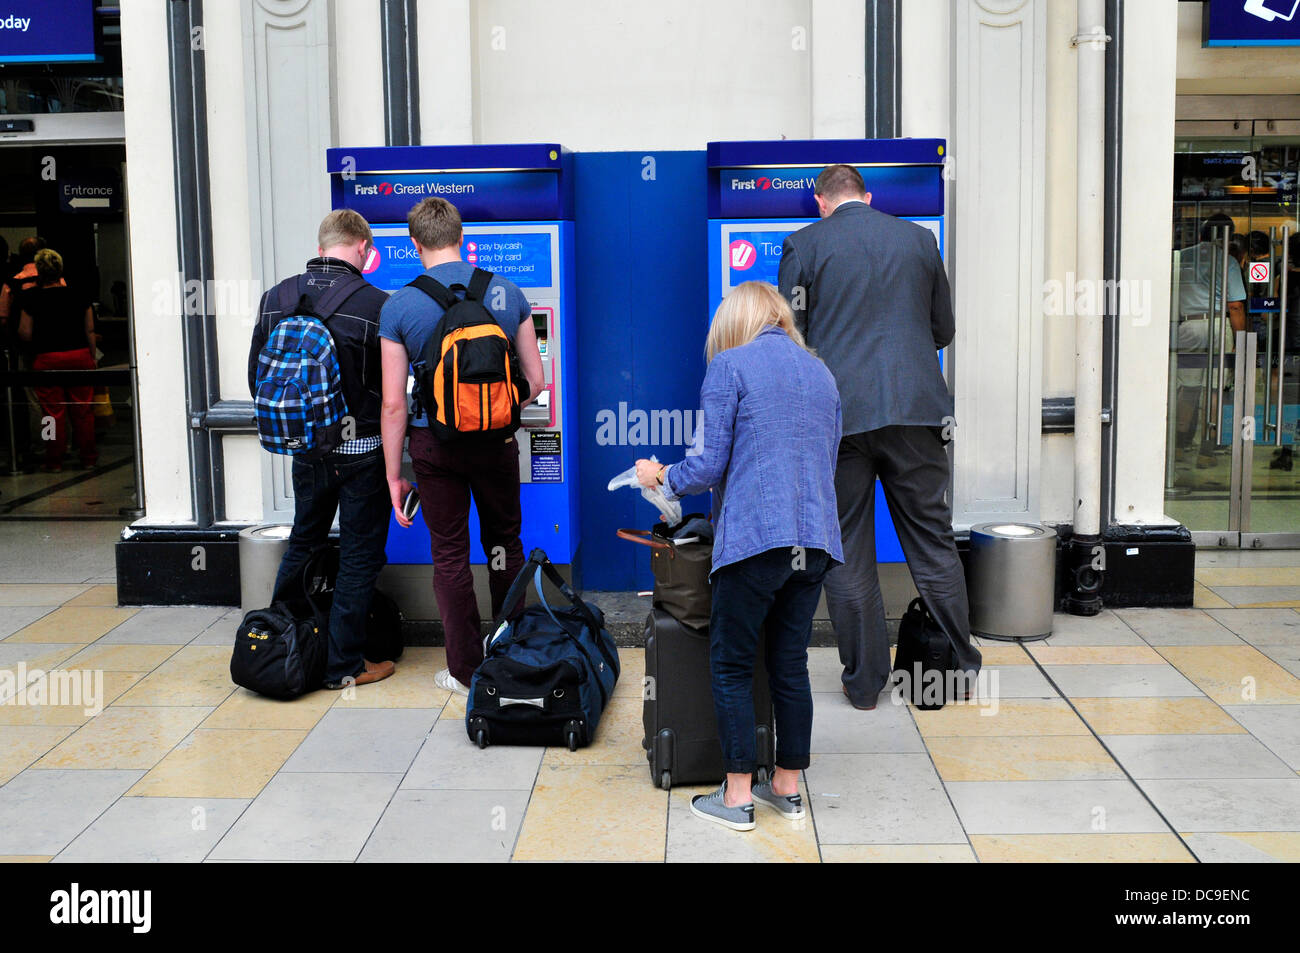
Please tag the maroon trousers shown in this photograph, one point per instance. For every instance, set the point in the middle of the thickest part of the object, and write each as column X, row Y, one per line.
column 447, row 476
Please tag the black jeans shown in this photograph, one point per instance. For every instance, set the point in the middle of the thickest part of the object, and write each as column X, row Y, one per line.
column 779, row 587
column 355, row 486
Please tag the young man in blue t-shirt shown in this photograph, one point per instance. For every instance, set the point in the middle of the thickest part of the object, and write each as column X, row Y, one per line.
column 448, row 473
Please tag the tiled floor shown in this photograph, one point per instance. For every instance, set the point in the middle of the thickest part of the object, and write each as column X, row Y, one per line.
column 1137, row 735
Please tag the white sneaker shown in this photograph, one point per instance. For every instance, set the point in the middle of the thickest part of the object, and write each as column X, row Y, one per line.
column 446, row 681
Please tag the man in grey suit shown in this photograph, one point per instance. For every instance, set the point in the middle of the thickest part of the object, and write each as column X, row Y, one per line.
column 870, row 294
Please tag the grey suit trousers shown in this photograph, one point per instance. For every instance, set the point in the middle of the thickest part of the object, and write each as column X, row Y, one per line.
column 913, row 468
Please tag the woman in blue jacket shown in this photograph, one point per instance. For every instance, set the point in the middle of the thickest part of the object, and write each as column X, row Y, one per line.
column 767, row 444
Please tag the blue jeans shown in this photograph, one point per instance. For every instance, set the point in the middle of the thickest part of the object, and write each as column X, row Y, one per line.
column 778, row 589
column 355, row 486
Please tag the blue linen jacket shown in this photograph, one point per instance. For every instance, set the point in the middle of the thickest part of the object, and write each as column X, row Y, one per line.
column 767, row 443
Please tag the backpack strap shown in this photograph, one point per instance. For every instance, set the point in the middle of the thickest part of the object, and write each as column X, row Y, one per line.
column 293, row 300
column 478, row 285
column 328, row 304
column 435, row 290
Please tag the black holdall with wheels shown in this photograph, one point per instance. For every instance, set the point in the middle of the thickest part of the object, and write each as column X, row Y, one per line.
column 681, row 729
column 547, row 676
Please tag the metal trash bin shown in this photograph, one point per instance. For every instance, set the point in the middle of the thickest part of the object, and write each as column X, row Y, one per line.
column 260, row 551
column 1012, row 580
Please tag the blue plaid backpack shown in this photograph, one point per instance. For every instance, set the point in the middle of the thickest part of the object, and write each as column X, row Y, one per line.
column 299, row 393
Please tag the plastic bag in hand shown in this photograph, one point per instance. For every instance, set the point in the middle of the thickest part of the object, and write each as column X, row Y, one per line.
column 671, row 509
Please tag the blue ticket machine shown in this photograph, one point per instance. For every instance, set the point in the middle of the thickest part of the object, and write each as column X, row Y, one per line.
column 516, row 202
column 760, row 192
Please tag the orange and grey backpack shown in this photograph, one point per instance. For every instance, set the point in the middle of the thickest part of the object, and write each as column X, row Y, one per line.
column 468, row 375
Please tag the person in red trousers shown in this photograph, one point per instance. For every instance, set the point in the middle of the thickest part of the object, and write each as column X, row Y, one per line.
column 60, row 324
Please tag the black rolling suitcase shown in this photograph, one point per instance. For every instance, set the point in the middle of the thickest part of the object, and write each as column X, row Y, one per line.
column 681, row 731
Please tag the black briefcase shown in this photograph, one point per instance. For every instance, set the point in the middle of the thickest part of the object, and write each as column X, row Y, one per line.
column 923, row 658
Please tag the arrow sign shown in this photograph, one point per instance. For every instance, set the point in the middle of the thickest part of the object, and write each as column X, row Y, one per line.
column 88, row 203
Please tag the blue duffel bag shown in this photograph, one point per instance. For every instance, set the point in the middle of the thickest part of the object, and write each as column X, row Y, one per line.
column 547, row 676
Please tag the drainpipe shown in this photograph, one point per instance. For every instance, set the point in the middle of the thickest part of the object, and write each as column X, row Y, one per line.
column 1085, row 555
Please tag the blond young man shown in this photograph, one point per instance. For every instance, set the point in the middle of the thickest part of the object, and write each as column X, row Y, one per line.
column 450, row 473
column 349, row 480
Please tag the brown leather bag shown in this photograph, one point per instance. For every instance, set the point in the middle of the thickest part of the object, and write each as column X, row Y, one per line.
column 681, row 571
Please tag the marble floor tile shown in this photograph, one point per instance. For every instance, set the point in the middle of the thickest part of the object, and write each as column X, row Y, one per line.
column 21, row 745
column 1153, row 716
column 897, row 854
column 448, row 760
column 1122, row 681
column 1276, row 726
column 139, row 830
column 447, row 827
column 380, row 740
column 1268, row 847
column 1064, row 758
column 41, row 812
column 1196, row 756
column 309, row 816
column 1081, row 848
column 594, row 812
column 225, row 763
column 82, row 624
column 1235, row 674
column 122, row 737
column 1177, row 627
column 195, row 675
column 1027, row 716
column 1218, row 806
column 880, row 799
column 1053, row 807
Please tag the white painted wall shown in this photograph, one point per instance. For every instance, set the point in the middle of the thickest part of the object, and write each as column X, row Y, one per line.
column 443, row 37
column 1150, row 49
column 996, row 205
column 625, row 74
column 1060, row 185
column 154, row 266
column 925, row 26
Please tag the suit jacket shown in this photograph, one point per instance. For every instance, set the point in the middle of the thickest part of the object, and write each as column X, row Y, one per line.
column 875, row 306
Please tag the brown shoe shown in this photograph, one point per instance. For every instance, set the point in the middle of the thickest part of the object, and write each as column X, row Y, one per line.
column 845, row 690
column 373, row 672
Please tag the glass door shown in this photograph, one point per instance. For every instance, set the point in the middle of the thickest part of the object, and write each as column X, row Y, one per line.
column 1234, row 373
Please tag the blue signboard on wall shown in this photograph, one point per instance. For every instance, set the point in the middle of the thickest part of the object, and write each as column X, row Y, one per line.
column 47, row 31
column 1252, row 23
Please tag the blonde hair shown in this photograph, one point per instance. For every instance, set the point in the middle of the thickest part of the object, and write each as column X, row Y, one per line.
column 745, row 313
column 49, row 264
column 434, row 223
column 343, row 226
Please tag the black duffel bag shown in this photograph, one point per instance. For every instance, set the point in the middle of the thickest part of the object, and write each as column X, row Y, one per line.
column 681, row 558
column 383, row 621
column 281, row 651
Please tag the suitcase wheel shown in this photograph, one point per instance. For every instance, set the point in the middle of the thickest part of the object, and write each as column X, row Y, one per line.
column 763, row 775
column 481, row 738
column 571, row 735
column 666, row 780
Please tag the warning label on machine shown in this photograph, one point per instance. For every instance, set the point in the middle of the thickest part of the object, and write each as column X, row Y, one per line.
column 544, row 447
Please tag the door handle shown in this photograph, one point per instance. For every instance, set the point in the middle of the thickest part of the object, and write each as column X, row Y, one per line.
column 1281, row 338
